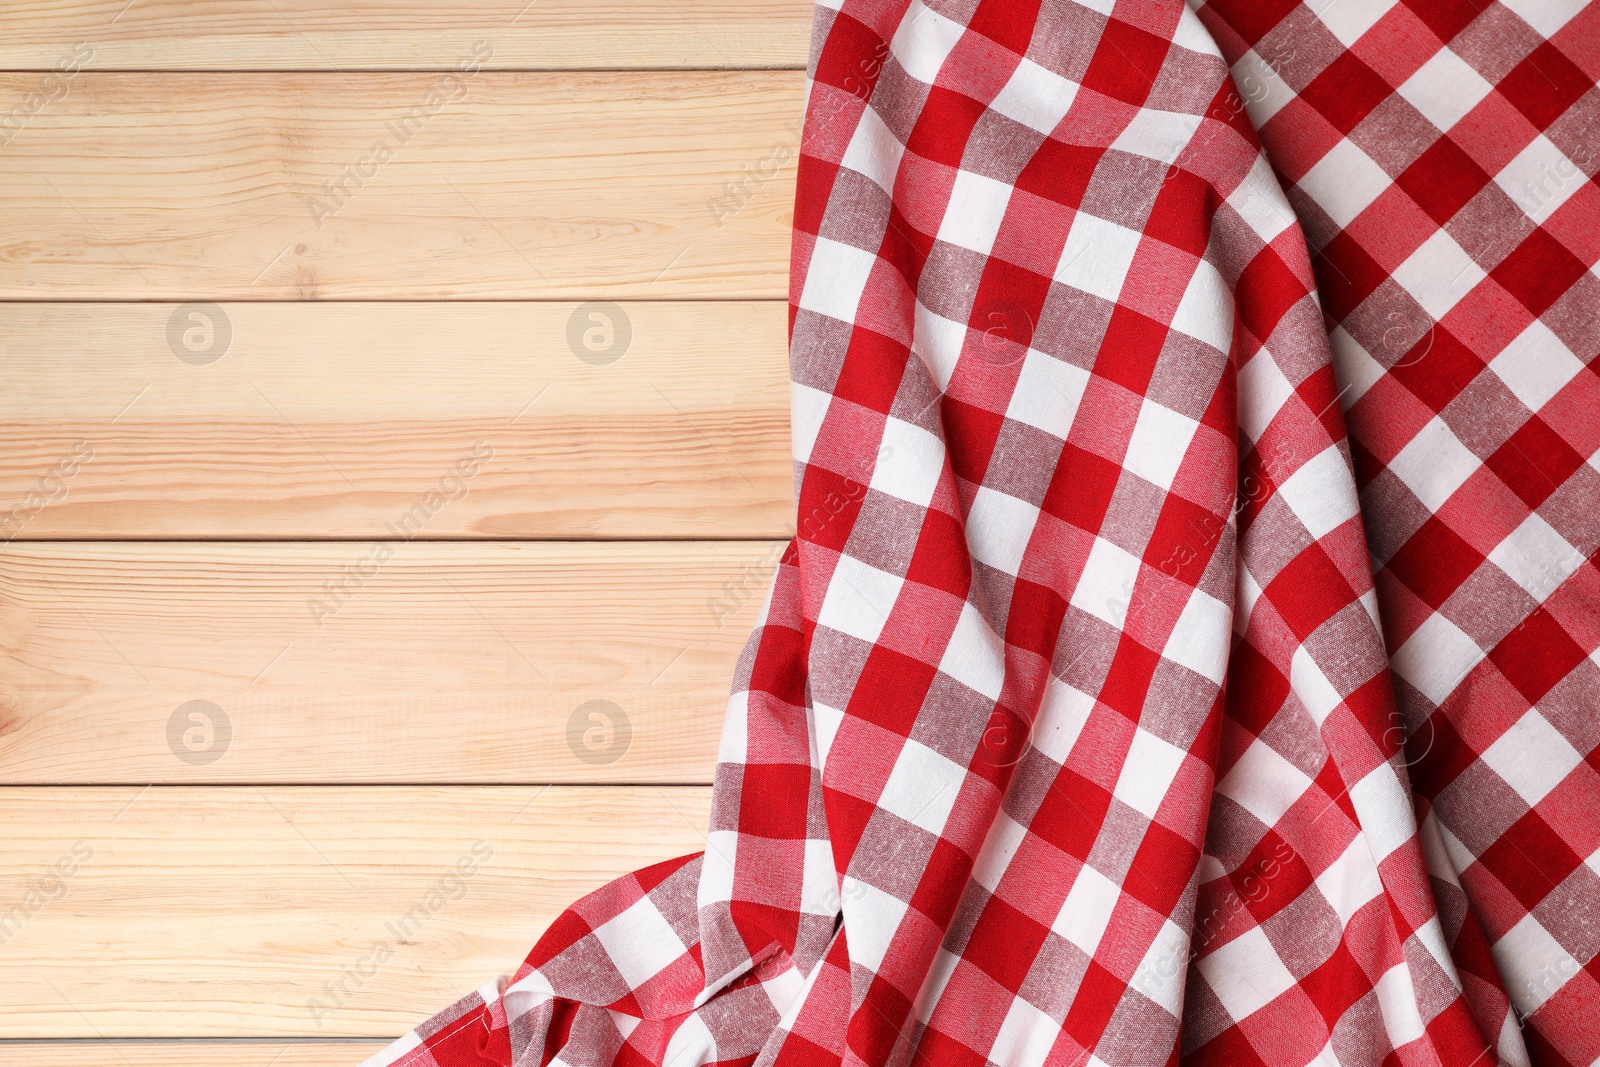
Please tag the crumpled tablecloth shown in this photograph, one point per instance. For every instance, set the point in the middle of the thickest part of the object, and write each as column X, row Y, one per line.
column 1188, row 649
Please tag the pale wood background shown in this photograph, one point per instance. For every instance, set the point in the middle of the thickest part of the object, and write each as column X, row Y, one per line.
column 169, row 525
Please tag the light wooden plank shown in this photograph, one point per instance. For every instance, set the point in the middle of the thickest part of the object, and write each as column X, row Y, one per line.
column 335, row 419
column 333, row 662
column 403, row 34
column 318, row 186
column 233, row 911
column 100, row 1052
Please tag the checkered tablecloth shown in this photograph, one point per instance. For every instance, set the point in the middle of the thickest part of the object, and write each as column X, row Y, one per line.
column 1112, row 706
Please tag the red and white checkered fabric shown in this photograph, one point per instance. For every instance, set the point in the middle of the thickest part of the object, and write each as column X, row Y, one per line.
column 1439, row 155
column 1069, row 734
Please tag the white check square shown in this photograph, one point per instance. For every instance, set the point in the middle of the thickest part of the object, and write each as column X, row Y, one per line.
column 1260, row 202
column 1262, row 392
column 1106, row 584
column 1026, row 1036
column 1383, row 807
column 975, row 656
column 1352, row 365
column 872, row 917
column 1157, row 135
column 1438, row 274
column 808, row 409
column 1397, row 1004
column 1086, row 912
column 999, row 527
column 1545, row 16
column 923, row 41
column 1532, row 757
column 859, row 599
column 1322, row 493
column 874, row 152
column 1158, row 444
column 1206, row 310
column 1344, row 182
column 1036, row 97
column 819, row 881
column 1264, row 783
column 1246, row 974
column 836, row 278
column 1004, row 838
column 1160, row 974
column 1434, row 464
column 1097, row 256
column 716, row 870
column 1048, row 393
column 1349, row 19
column 1536, row 557
column 1201, row 637
column 1444, row 89
column 825, row 722
column 1436, row 657
column 1263, row 90
column 1350, row 881
column 910, row 460
column 1316, row 693
column 1535, row 366
column 922, row 787
column 976, row 208
column 640, row 942
column 938, row 341
column 1540, row 178
column 1147, row 772
column 1534, row 964
column 1062, row 713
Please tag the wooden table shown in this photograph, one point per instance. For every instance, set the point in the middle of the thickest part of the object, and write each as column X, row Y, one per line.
column 393, row 458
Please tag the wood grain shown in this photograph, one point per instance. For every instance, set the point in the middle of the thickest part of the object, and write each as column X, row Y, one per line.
column 404, row 34
column 331, row 728
column 335, row 662
column 334, row 419
column 174, row 186
column 224, row 911
column 107, row 1052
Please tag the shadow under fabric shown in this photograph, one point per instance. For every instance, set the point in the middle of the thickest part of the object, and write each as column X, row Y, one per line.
column 1068, row 734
